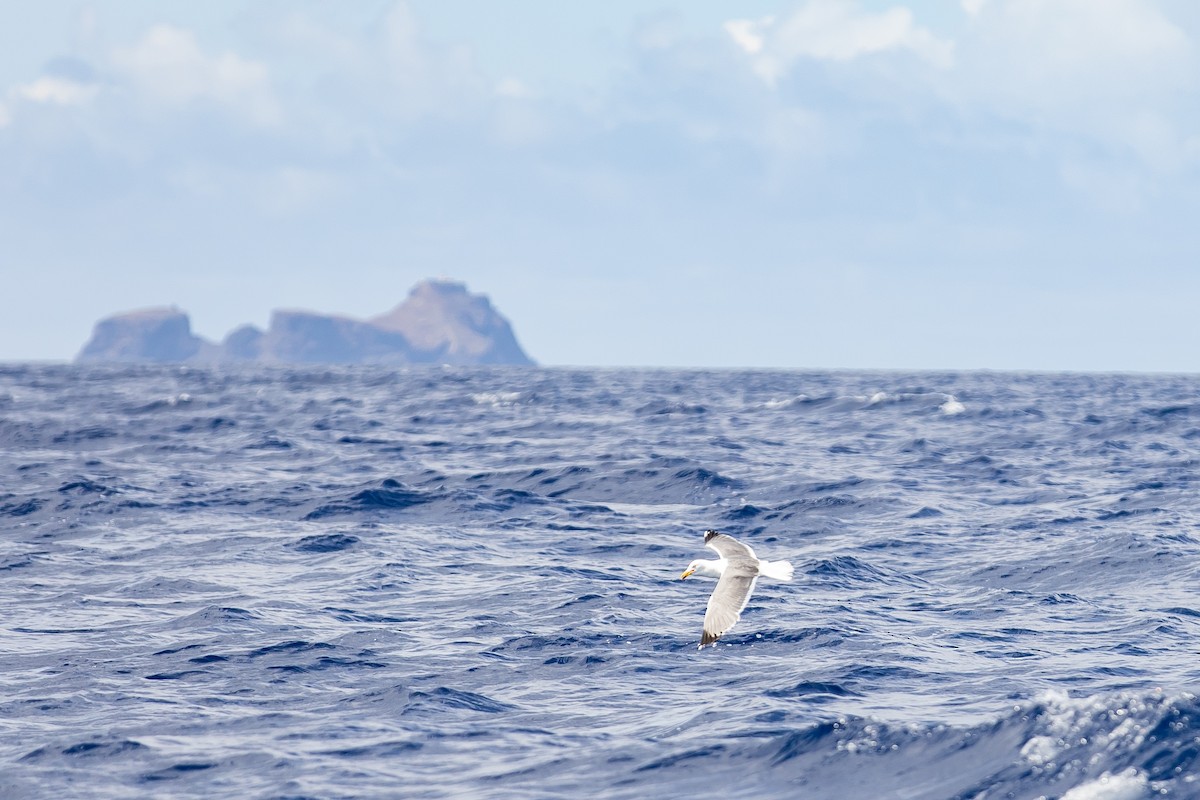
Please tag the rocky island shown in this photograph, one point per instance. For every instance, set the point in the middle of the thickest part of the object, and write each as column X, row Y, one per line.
column 440, row 322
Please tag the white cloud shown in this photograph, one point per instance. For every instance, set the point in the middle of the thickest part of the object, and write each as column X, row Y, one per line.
column 401, row 35
column 513, row 88
column 1115, row 76
column 51, row 90
column 378, row 77
column 169, row 66
column 318, row 41
column 1082, row 38
column 427, row 78
column 834, row 30
column 1118, row 73
column 748, row 33
column 660, row 31
column 57, row 91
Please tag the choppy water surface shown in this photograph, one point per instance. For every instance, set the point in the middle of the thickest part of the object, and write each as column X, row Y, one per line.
column 336, row 583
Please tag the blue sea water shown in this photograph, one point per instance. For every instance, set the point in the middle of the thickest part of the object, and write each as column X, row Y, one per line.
column 427, row 583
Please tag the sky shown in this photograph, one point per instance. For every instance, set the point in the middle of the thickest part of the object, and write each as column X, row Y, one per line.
column 961, row 184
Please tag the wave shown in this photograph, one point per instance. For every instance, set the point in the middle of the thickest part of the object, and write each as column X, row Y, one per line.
column 388, row 495
column 943, row 402
column 1117, row 747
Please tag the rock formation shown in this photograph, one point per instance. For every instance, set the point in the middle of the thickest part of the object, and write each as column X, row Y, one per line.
column 439, row 323
column 302, row 337
column 445, row 323
column 152, row 335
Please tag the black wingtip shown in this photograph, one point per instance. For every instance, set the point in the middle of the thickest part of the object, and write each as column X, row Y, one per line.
column 708, row 534
column 708, row 638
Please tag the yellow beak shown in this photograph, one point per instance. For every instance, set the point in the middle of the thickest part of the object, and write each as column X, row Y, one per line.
column 684, row 575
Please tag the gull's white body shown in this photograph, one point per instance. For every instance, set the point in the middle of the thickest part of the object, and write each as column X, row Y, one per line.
column 715, row 568
column 736, row 571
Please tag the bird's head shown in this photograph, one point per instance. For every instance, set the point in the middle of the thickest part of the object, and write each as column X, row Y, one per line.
column 690, row 569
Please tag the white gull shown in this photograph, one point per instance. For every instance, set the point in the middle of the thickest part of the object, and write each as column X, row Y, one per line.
column 737, row 571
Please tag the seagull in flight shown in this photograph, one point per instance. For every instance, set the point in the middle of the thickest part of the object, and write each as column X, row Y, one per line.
column 736, row 571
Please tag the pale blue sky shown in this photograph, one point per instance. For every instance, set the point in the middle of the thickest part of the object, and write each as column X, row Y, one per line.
column 1006, row 184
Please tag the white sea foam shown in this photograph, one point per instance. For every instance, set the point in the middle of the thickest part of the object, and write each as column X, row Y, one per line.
column 1128, row 785
column 496, row 398
column 952, row 406
column 638, row 509
column 788, row 403
column 1040, row 750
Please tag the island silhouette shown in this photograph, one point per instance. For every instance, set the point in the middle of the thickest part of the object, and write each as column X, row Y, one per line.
column 440, row 322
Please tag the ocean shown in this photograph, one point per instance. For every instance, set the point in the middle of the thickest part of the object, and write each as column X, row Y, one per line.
column 464, row 582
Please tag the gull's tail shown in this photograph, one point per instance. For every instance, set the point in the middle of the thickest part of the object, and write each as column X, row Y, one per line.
column 779, row 570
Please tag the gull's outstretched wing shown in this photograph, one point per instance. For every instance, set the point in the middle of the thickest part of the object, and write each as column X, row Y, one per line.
column 728, row 599
column 727, row 547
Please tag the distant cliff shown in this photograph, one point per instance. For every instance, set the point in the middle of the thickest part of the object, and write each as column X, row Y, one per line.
column 161, row 335
column 439, row 323
column 447, row 324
